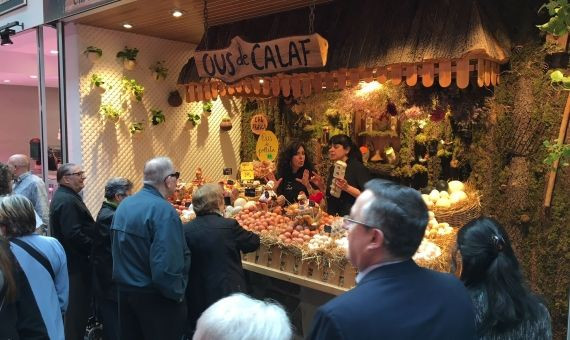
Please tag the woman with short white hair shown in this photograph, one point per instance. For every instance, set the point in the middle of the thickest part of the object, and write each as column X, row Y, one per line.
column 239, row 317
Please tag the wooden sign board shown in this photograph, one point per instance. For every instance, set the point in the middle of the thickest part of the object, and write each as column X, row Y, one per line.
column 258, row 123
column 267, row 146
column 246, row 171
column 242, row 59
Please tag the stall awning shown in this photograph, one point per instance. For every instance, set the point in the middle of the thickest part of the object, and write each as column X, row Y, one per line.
column 416, row 42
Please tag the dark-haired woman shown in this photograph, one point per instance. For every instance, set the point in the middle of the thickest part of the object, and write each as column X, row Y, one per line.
column 294, row 170
column 505, row 308
column 20, row 316
column 341, row 148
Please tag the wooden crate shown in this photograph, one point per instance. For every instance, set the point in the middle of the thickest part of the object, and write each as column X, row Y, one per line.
column 283, row 264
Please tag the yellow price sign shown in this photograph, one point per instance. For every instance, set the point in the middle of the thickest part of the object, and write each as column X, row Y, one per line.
column 267, row 146
column 246, row 171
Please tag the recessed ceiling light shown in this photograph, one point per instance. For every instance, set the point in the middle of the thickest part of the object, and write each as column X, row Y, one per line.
column 6, row 80
column 33, row 76
column 177, row 13
column 261, row 81
column 127, row 25
column 53, row 51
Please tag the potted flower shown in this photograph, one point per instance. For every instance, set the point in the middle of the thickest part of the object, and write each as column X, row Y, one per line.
column 157, row 117
column 135, row 89
column 129, row 57
column 135, row 128
column 97, row 82
column 193, row 118
column 93, row 53
column 107, row 111
column 159, row 71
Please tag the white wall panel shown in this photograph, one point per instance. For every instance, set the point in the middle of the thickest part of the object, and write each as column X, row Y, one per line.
column 109, row 150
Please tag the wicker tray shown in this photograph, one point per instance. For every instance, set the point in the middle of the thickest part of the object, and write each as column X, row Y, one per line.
column 458, row 216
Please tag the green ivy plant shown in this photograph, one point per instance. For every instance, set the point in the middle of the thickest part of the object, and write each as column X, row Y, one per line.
column 193, row 118
column 157, row 117
column 559, row 11
column 207, row 106
column 136, row 127
column 128, row 53
column 134, row 88
column 556, row 151
column 159, row 70
column 93, row 49
column 96, row 80
column 109, row 112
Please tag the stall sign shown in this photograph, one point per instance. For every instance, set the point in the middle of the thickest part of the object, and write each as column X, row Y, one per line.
column 246, row 171
column 76, row 6
column 258, row 123
column 267, row 146
column 242, row 59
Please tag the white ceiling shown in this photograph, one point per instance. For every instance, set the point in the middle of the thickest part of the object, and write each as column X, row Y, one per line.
column 19, row 61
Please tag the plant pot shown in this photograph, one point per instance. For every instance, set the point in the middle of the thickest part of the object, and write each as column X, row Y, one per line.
column 129, row 64
column 445, row 168
column 557, row 60
column 420, row 150
column 174, row 99
column 432, row 147
column 93, row 57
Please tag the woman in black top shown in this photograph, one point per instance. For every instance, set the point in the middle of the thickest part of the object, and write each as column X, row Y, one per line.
column 356, row 175
column 294, row 168
column 505, row 308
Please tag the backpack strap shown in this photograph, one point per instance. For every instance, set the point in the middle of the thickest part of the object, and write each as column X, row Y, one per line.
column 36, row 255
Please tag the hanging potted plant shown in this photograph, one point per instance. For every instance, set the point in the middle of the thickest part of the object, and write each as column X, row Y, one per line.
column 207, row 107
column 135, row 89
column 226, row 124
column 159, row 71
column 193, row 118
column 136, row 128
column 157, row 117
column 174, row 98
column 129, row 57
column 107, row 111
column 97, row 83
column 93, row 53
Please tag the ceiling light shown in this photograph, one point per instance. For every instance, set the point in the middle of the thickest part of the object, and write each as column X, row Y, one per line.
column 127, row 25
column 6, row 80
column 33, row 76
column 177, row 13
column 5, row 37
column 53, row 51
column 261, row 81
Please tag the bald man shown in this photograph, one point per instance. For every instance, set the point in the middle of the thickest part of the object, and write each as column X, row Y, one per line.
column 29, row 185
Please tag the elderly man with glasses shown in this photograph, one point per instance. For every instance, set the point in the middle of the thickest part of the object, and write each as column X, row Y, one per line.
column 394, row 297
column 72, row 225
column 150, row 258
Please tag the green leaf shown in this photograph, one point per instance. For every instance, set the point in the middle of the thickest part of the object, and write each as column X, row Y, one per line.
column 557, row 76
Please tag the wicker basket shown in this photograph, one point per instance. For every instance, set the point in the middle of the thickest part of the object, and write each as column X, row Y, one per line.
column 458, row 215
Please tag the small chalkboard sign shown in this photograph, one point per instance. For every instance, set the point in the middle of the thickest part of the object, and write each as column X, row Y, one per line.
column 328, row 228
column 227, row 171
column 250, row 192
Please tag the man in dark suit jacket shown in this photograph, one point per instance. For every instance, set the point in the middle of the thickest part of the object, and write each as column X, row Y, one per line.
column 394, row 298
column 215, row 243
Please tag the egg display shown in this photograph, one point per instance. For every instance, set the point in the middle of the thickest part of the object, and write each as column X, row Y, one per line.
column 444, row 199
column 427, row 251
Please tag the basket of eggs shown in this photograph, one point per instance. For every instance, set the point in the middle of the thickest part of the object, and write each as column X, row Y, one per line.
column 455, row 202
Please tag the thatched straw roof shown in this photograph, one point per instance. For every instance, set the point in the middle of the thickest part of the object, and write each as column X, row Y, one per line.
column 372, row 33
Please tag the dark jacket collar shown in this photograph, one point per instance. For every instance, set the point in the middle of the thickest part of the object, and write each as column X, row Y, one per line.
column 391, row 270
column 68, row 190
column 109, row 205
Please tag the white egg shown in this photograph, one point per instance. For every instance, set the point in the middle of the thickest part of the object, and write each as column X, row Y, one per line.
column 434, row 195
column 443, row 203
column 458, row 196
column 444, row 194
column 240, row 202
column 455, row 186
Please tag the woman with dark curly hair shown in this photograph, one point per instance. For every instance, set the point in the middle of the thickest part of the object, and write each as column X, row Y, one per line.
column 5, row 180
column 505, row 308
column 294, row 169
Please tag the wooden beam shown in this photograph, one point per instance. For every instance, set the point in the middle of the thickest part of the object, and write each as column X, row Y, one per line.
column 554, row 170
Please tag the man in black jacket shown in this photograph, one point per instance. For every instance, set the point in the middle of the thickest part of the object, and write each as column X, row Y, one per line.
column 105, row 290
column 215, row 243
column 72, row 225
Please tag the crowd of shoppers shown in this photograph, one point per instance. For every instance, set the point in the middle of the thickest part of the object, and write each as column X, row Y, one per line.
column 154, row 278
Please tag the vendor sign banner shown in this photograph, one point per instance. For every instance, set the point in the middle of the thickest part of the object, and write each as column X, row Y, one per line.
column 76, row 6
column 242, row 59
column 267, row 146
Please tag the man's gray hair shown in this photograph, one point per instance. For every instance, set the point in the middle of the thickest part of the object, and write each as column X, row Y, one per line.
column 17, row 215
column 117, row 186
column 207, row 198
column 156, row 170
column 240, row 317
column 63, row 170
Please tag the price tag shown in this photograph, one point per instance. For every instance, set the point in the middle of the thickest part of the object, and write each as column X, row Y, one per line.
column 258, row 123
column 246, row 171
column 227, row 171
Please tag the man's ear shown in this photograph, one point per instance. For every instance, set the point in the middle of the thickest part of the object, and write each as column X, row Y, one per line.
column 376, row 239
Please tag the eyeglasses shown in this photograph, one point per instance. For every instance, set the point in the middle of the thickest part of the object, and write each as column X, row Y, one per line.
column 79, row 173
column 347, row 221
column 175, row 175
